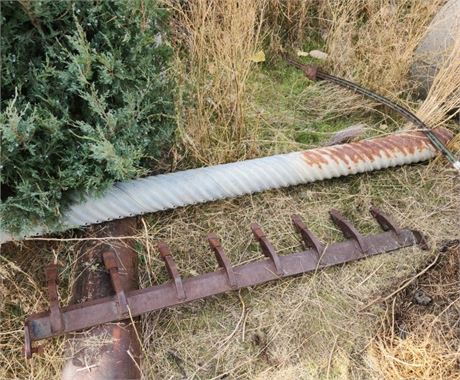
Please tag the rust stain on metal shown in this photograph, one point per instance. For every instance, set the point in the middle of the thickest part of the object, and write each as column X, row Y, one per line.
column 435, row 139
column 370, row 150
column 347, row 154
column 361, row 149
column 314, row 158
column 179, row 291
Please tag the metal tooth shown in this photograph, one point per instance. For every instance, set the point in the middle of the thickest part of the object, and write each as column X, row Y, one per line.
column 308, row 238
column 385, row 222
column 222, row 259
column 267, row 248
column 421, row 240
column 111, row 264
column 56, row 320
column 348, row 229
column 172, row 269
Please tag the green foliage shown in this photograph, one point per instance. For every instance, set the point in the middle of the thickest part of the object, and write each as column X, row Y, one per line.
column 86, row 101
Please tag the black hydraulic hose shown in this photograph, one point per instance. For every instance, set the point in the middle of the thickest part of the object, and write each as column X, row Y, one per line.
column 314, row 73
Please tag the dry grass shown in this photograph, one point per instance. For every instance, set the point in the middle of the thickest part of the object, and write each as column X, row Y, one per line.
column 287, row 22
column 215, row 41
column 444, row 96
column 373, row 42
column 295, row 114
column 22, row 292
column 421, row 341
column 370, row 42
column 418, row 356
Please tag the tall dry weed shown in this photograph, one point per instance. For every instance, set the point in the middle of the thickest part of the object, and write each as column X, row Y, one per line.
column 287, row 21
column 215, row 40
column 373, row 42
column 444, row 95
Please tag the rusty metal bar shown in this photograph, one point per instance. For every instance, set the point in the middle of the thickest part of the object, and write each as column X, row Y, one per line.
column 110, row 262
column 180, row 291
column 56, row 322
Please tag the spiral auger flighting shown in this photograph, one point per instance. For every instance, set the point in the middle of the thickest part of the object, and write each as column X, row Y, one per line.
column 167, row 191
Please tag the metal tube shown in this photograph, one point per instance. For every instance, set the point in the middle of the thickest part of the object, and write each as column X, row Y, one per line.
column 107, row 351
column 206, row 184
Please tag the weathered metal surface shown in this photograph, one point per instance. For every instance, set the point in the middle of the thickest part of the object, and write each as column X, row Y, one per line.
column 56, row 321
column 347, row 135
column 207, row 184
column 107, row 269
column 312, row 72
column 179, row 291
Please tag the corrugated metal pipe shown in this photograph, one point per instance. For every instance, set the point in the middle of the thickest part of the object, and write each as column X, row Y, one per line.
column 206, row 184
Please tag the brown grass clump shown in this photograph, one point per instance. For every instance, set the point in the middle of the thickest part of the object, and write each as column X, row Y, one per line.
column 373, row 42
column 418, row 356
column 420, row 341
column 443, row 100
column 215, row 41
column 287, row 22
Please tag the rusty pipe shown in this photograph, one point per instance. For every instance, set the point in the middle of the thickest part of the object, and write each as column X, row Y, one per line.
column 167, row 191
column 108, row 351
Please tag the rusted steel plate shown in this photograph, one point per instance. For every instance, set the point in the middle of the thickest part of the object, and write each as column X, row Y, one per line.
column 91, row 313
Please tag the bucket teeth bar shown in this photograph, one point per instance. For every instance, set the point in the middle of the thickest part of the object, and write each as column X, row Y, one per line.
column 178, row 291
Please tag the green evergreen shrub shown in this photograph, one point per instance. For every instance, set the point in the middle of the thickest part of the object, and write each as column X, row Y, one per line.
column 86, row 100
